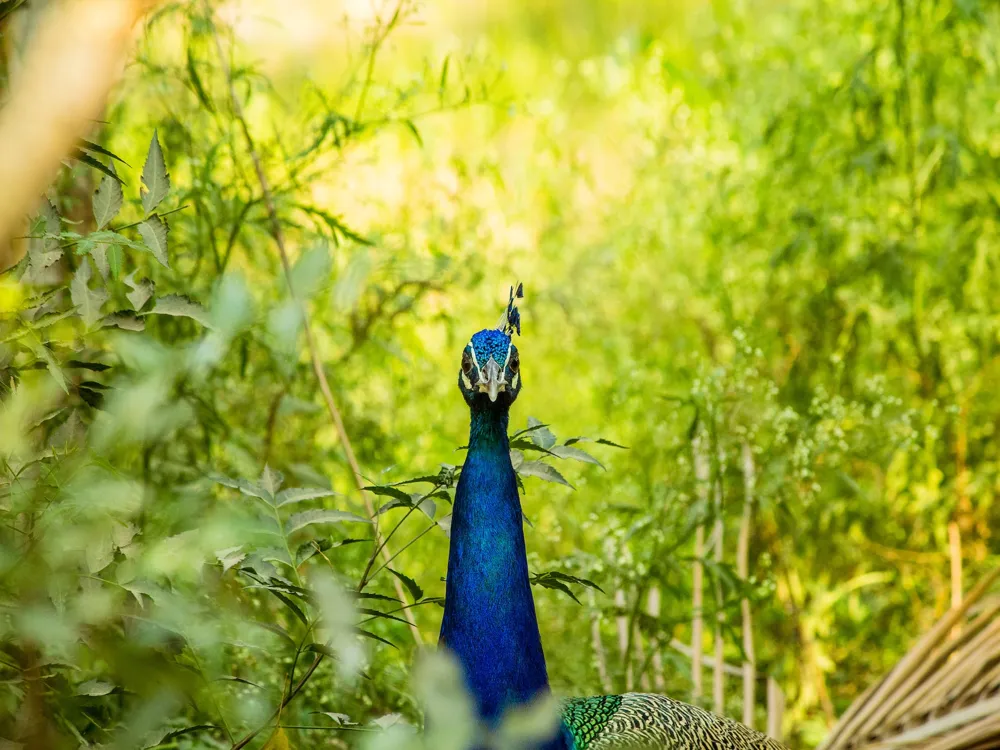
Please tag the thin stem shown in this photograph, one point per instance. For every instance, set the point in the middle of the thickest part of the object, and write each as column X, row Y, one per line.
column 402, row 549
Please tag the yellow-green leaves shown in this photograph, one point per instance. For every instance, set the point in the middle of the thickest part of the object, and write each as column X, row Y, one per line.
column 154, row 177
column 107, row 200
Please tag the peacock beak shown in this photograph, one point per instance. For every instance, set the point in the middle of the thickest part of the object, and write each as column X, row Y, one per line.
column 491, row 379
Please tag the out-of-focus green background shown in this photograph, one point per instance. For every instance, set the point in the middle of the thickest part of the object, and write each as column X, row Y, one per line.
column 770, row 225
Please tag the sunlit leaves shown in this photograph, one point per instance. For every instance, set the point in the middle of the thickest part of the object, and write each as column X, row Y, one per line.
column 107, row 201
column 177, row 305
column 154, row 232
column 301, row 520
column 154, row 177
column 142, row 290
column 88, row 301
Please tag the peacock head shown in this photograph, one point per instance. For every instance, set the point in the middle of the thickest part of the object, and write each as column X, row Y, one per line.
column 491, row 366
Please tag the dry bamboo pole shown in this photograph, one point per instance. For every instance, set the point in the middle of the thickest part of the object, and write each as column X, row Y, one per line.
column 653, row 609
column 621, row 622
column 701, row 473
column 718, row 674
column 708, row 660
column 775, row 708
column 864, row 715
column 600, row 657
column 743, row 571
column 640, row 659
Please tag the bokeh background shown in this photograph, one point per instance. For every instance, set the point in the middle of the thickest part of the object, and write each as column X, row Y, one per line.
column 758, row 242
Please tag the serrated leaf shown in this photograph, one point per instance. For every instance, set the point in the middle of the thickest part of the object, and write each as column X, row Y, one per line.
column 298, row 494
column 542, row 470
column 271, row 480
column 154, row 231
column 247, row 488
column 230, row 556
column 124, row 319
column 301, row 520
column 55, row 370
column 374, row 637
column 341, row 719
column 600, row 441
column 415, row 591
column 154, row 176
column 91, row 146
column 107, row 200
column 178, row 305
column 388, row 491
column 91, row 161
column 142, row 290
column 87, row 301
column 94, row 688
column 567, row 451
column 540, row 434
column 550, row 583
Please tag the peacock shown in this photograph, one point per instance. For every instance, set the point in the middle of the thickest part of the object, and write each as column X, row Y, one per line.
column 489, row 619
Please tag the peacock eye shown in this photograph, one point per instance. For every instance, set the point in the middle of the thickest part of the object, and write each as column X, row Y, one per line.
column 466, row 362
column 515, row 363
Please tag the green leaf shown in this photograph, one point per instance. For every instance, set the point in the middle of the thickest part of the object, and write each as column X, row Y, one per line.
column 374, row 637
column 154, row 177
column 178, row 305
column 540, row 434
column 298, row 494
column 415, row 591
column 196, row 84
column 308, row 517
column 95, row 688
column 271, row 480
column 92, row 162
column 124, row 319
column 87, row 301
column 600, row 441
column 51, row 364
column 388, row 491
column 311, row 271
column 230, row 556
column 90, row 146
column 107, row 201
column 154, row 232
column 566, row 451
column 542, row 470
column 142, row 290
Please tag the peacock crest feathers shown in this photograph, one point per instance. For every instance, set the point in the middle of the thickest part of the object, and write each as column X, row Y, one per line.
column 510, row 321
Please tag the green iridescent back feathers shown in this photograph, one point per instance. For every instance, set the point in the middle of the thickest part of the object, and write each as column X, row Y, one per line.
column 642, row 721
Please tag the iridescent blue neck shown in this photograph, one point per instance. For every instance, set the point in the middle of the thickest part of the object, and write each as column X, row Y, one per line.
column 489, row 614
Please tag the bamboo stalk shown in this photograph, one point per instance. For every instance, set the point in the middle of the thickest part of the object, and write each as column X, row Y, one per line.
column 775, row 708
column 718, row 674
column 955, row 556
column 867, row 713
column 743, row 571
column 708, row 660
column 701, row 474
column 600, row 657
column 621, row 622
column 653, row 608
